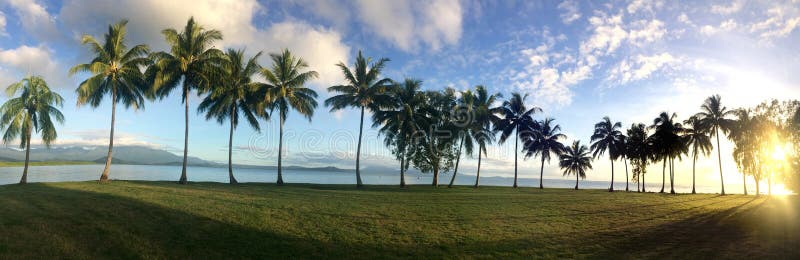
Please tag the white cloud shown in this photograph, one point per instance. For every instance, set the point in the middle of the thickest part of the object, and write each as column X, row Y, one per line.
column 607, row 36
column 780, row 23
column 734, row 7
column 35, row 19
column 646, row 31
column 410, row 24
column 683, row 18
column 571, row 12
column 99, row 137
column 725, row 26
column 640, row 67
column 24, row 60
column 3, row 24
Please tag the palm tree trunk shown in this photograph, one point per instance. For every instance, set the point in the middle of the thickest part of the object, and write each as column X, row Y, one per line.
column 478, row 174
column 644, row 184
column 611, row 189
column 358, row 151
column 402, row 169
column 625, row 160
column 576, row 180
column 183, row 179
column 280, row 151
column 435, row 177
column 458, row 159
column 24, row 178
column 516, row 144
column 672, row 175
column 694, row 162
column 744, row 183
column 232, row 179
column 104, row 175
column 541, row 175
column 719, row 158
column 663, row 173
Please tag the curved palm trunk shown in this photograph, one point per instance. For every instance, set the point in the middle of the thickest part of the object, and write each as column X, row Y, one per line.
column 183, row 179
column 104, row 175
column 516, row 144
column 625, row 160
column 458, row 159
column 663, row 175
column 611, row 189
column 232, row 179
column 694, row 162
column 358, row 151
column 541, row 175
column 478, row 174
column 280, row 152
column 719, row 158
column 24, row 178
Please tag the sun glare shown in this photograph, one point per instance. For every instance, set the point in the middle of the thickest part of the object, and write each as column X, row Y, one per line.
column 779, row 153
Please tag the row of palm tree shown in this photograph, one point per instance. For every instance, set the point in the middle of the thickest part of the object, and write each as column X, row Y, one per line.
column 427, row 129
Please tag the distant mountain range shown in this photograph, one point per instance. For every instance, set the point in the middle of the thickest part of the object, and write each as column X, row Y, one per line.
column 139, row 155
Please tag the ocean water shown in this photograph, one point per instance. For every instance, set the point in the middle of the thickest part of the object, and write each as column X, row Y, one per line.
column 10, row 175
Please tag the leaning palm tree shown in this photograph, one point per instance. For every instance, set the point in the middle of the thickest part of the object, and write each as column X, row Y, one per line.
column 32, row 111
column 575, row 160
column 699, row 141
column 463, row 127
column 482, row 119
column 233, row 96
column 400, row 123
column 285, row 89
column 544, row 142
column 115, row 70
column 190, row 64
column 364, row 90
column 714, row 117
column 607, row 137
column 516, row 117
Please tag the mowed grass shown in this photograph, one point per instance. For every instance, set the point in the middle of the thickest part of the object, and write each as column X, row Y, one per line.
column 127, row 219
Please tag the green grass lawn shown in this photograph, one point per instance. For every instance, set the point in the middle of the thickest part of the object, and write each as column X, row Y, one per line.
column 127, row 219
column 48, row 163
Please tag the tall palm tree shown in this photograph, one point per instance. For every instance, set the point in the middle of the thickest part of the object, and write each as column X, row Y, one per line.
column 544, row 142
column 575, row 160
column 607, row 137
column 364, row 90
column 115, row 70
column 714, row 116
column 638, row 150
column 233, row 96
column 464, row 127
column 699, row 141
column 191, row 64
column 516, row 117
column 286, row 90
column 669, row 143
column 400, row 123
column 32, row 111
column 483, row 116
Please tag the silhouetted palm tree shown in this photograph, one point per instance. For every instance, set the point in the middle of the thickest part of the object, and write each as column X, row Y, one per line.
column 286, row 89
column 638, row 150
column 714, row 117
column 115, row 70
column 516, row 117
column 190, row 64
column 607, row 137
column 668, row 143
column 543, row 142
column 234, row 95
column 402, row 122
column 364, row 90
column 575, row 160
column 32, row 111
column 699, row 141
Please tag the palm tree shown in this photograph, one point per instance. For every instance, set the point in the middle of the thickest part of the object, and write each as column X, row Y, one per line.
column 190, row 64
column 401, row 122
column 33, row 110
column 543, row 142
column 637, row 149
column 482, row 119
column 516, row 117
column 575, row 160
column 365, row 90
column 464, row 127
column 234, row 96
column 286, row 89
column 607, row 137
column 115, row 70
column 669, row 143
column 714, row 117
column 699, row 141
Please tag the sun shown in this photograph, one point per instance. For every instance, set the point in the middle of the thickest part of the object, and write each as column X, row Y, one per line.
column 779, row 153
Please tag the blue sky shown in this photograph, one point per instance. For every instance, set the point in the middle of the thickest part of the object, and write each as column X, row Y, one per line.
column 578, row 60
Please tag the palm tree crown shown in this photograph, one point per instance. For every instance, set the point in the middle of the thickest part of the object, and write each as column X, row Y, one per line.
column 116, row 71
column 286, row 89
column 544, row 141
column 698, row 140
column 365, row 90
column 607, row 137
column 34, row 110
column 515, row 117
column 575, row 160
